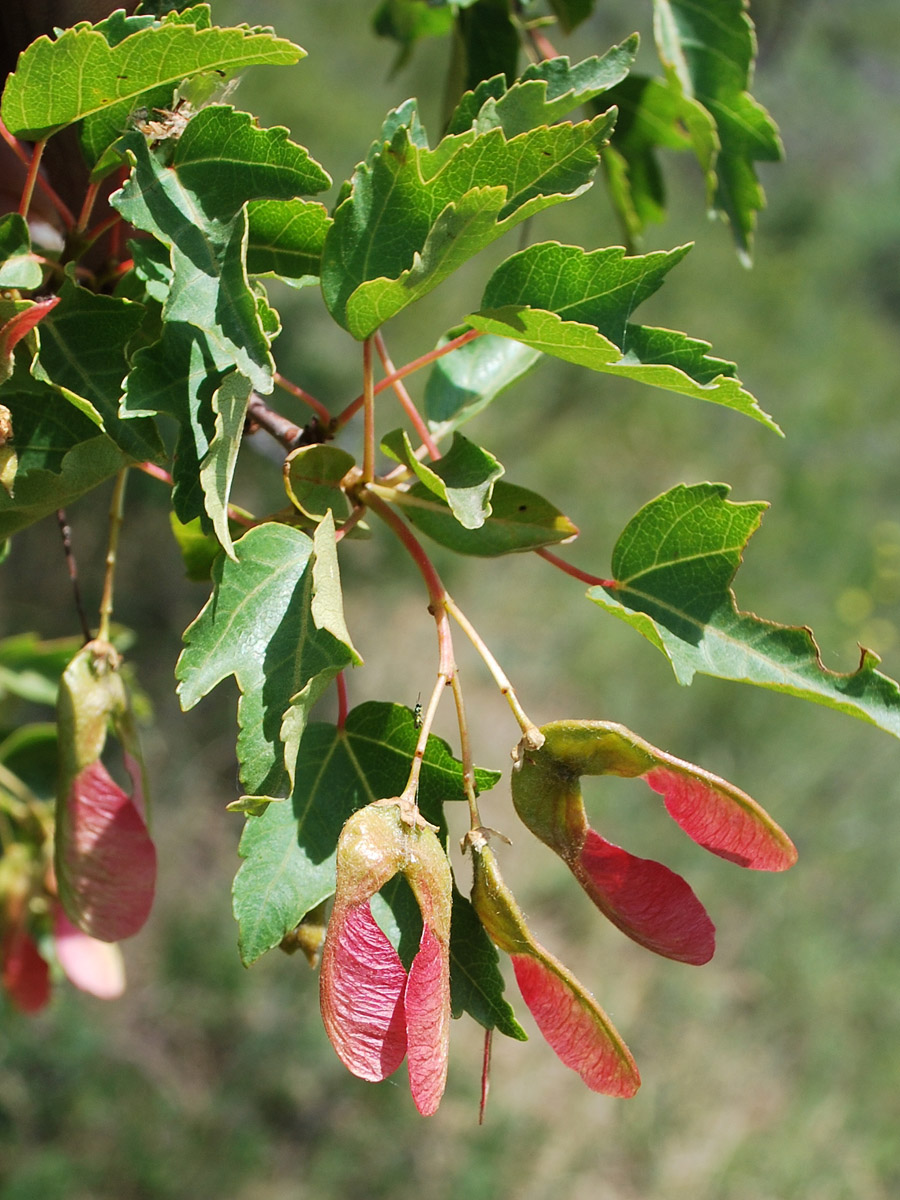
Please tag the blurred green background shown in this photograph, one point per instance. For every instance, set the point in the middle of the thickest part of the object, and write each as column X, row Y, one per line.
column 775, row 1070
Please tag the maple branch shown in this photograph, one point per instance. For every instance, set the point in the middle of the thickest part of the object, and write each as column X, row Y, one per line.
column 301, row 394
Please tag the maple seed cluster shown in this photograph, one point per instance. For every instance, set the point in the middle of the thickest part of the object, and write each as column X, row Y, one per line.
column 376, row 1012
column 82, row 878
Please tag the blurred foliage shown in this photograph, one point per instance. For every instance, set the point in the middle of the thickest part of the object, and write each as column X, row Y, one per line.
column 774, row 1071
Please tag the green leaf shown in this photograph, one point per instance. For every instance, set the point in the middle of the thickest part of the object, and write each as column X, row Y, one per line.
column 406, row 21
column 576, row 305
column 290, row 849
column 673, row 566
column 30, row 667
column 467, row 379
column 572, row 12
column 285, row 238
column 546, row 92
column 653, row 114
column 487, row 41
column 229, row 404
column 209, row 283
column 179, row 375
column 199, row 550
column 312, row 478
column 476, row 982
column 18, row 266
column 463, row 478
column 520, row 520
column 708, row 48
column 414, row 215
column 82, row 467
column 260, row 626
column 225, row 159
column 80, row 77
column 83, row 352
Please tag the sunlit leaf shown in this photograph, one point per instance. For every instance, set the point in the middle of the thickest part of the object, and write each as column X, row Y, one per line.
column 463, row 478
column 259, row 625
column 674, row 564
column 577, row 305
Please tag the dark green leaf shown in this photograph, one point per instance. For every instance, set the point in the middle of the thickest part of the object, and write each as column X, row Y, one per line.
column 464, row 478
column 488, row 41
column 83, row 351
column 708, row 48
column 520, row 520
column 476, row 983
column 576, row 305
column 653, row 114
column 229, row 405
column 572, row 12
column 289, row 850
column 673, row 566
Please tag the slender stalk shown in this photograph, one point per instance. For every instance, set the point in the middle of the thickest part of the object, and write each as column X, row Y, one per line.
column 417, row 363
column 368, row 469
column 34, row 167
column 575, row 572
column 341, row 684
column 530, row 731
column 485, row 1074
column 104, row 226
column 116, row 509
column 465, row 748
column 25, row 158
column 66, row 534
column 406, row 400
column 90, row 199
column 155, row 472
column 301, row 394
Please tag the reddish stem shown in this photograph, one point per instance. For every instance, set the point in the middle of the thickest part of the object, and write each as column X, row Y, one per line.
column 341, row 685
column 417, row 363
column 406, row 400
column 34, row 167
column 575, row 572
column 25, row 158
column 102, row 227
column 90, row 199
column 163, row 476
column 368, row 467
column 316, row 405
column 485, row 1074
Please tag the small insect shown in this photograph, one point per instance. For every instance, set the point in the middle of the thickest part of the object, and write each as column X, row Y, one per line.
column 171, row 126
column 417, row 713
